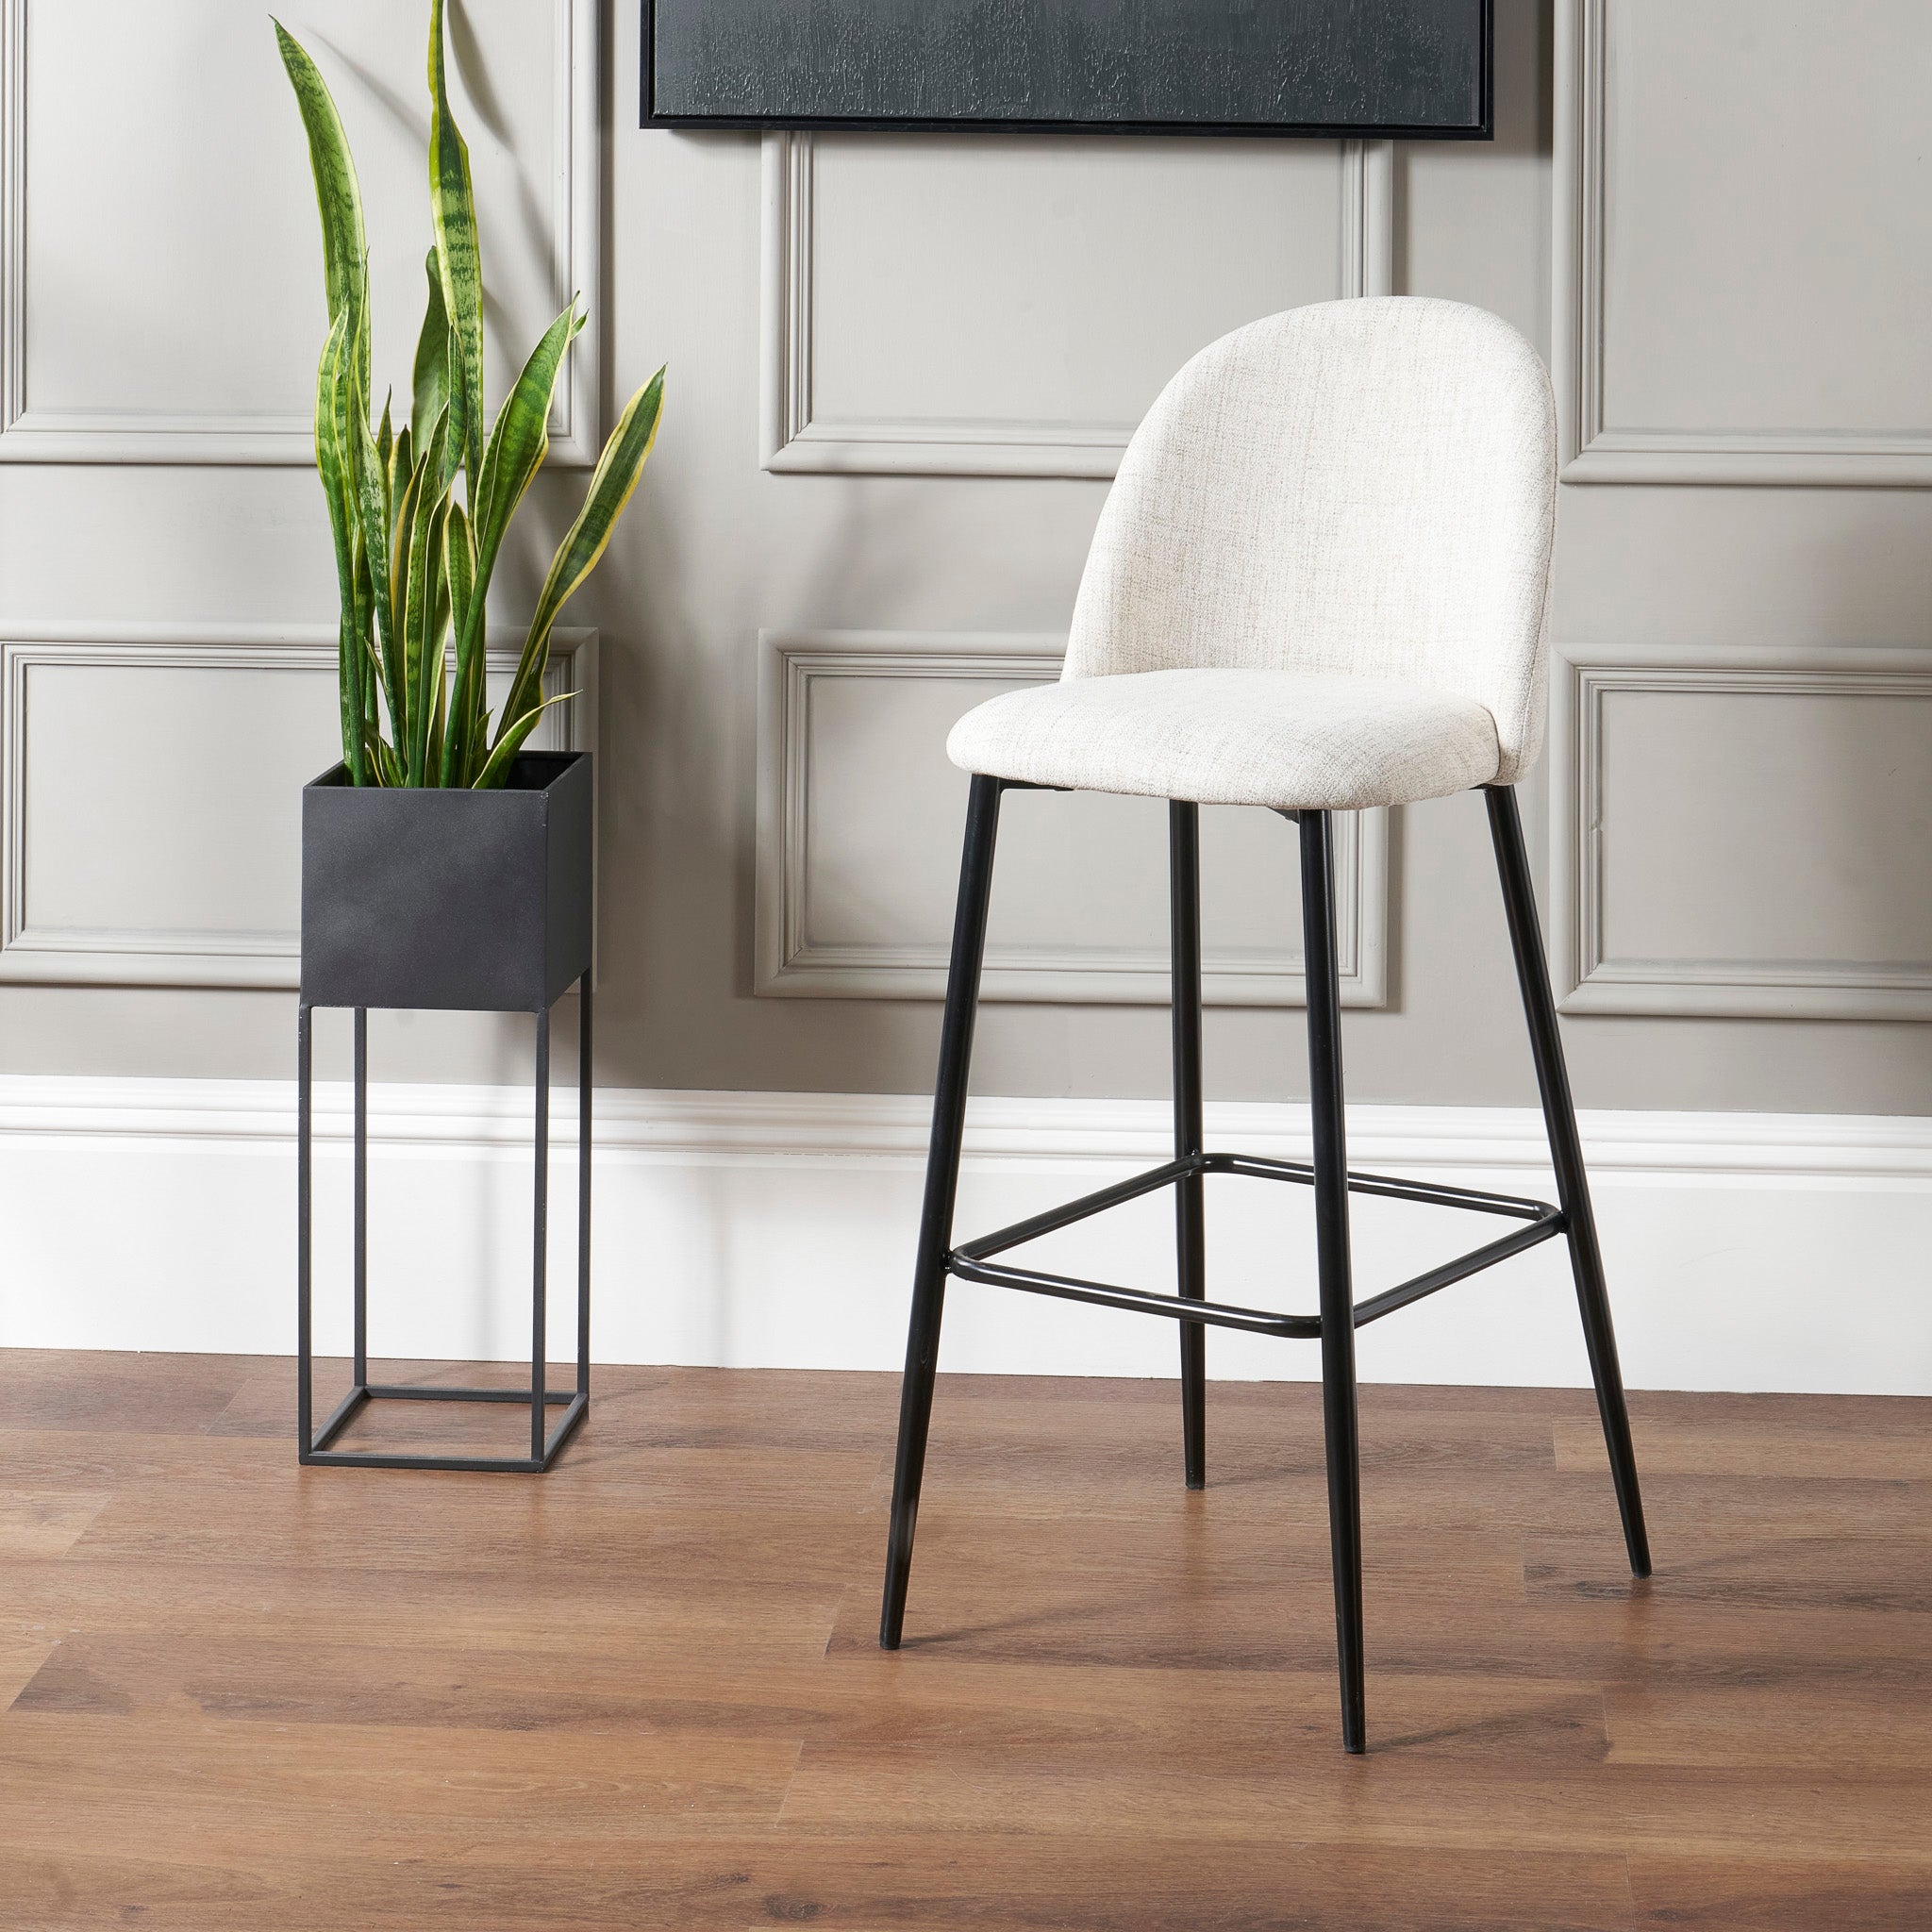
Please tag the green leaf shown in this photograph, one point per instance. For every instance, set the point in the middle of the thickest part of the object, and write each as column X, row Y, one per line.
column 338, row 195
column 385, row 443
column 430, row 389
column 461, row 565
column 342, row 381
column 419, row 545
column 518, row 445
column 464, row 725
column 368, row 660
column 426, row 745
column 616, row 477
column 368, row 674
column 457, row 454
column 328, row 465
column 432, row 763
column 416, row 594
column 521, row 440
column 459, row 260
column 369, row 485
column 383, row 762
column 402, row 465
column 509, row 740
column 373, row 674
column 394, row 656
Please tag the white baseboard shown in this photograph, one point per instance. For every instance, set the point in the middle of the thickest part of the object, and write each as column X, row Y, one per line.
column 1752, row 1251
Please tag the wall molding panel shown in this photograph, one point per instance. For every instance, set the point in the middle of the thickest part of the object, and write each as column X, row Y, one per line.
column 1594, row 452
column 1716, row 1230
column 112, row 435
column 794, row 439
column 790, row 964
column 133, row 955
column 1589, row 982
column 1368, row 218
column 12, row 214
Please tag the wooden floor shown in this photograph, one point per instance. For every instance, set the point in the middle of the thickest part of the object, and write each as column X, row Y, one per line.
column 643, row 1691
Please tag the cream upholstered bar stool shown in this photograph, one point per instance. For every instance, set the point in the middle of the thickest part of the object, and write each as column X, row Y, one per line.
column 1319, row 584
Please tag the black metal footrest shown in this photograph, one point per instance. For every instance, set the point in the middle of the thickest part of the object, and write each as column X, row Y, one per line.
column 574, row 1402
column 973, row 1261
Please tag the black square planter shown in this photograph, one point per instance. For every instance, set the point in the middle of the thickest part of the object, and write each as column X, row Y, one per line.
column 472, row 901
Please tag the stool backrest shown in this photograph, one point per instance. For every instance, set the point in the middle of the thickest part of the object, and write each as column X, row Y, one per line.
column 1363, row 487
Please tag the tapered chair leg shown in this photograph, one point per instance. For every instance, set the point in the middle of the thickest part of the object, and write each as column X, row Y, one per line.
column 941, row 1188
column 1566, row 1156
column 1190, row 1205
column 1341, row 1436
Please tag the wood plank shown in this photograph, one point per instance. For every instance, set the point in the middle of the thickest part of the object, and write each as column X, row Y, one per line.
column 870, row 1702
column 403, row 1519
column 20, row 1661
column 72, row 1388
column 73, row 1781
column 1391, row 1798
column 104, row 1461
column 1638, row 1639
column 273, row 1680
column 1885, row 1572
column 657, row 1614
column 1797, row 1726
column 1783, row 1895
column 38, row 1523
column 1160, row 1881
column 918, row 1883
column 1902, row 1452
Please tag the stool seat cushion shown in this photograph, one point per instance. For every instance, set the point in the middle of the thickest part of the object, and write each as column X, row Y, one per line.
column 1287, row 739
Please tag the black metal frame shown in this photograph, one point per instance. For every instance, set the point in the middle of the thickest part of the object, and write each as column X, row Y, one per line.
column 1483, row 129
column 312, row 1445
column 1327, row 1173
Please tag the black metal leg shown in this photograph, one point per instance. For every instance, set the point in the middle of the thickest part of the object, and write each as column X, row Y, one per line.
column 584, row 1095
column 1566, row 1156
column 304, row 1227
column 361, row 1374
column 1190, row 1203
column 941, row 1188
column 539, row 1311
column 315, row 1443
column 1332, row 1255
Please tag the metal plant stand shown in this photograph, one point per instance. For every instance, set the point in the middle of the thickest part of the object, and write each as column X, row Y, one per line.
column 458, row 901
column 315, row 1443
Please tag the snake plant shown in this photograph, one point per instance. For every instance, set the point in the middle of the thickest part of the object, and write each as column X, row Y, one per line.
column 413, row 555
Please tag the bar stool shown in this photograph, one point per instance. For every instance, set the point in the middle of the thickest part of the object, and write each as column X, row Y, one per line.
column 1319, row 584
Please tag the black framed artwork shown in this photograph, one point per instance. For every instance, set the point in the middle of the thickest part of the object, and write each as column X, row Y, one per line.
column 1407, row 69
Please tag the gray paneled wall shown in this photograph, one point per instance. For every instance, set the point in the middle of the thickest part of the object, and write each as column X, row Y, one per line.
column 159, row 241
column 895, row 339
column 902, row 369
column 1740, row 786
column 1746, row 242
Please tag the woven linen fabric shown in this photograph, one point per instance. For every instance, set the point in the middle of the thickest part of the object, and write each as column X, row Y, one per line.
column 1287, row 739
column 1363, row 488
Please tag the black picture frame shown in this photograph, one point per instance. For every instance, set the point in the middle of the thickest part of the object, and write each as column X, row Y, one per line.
column 1481, row 128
